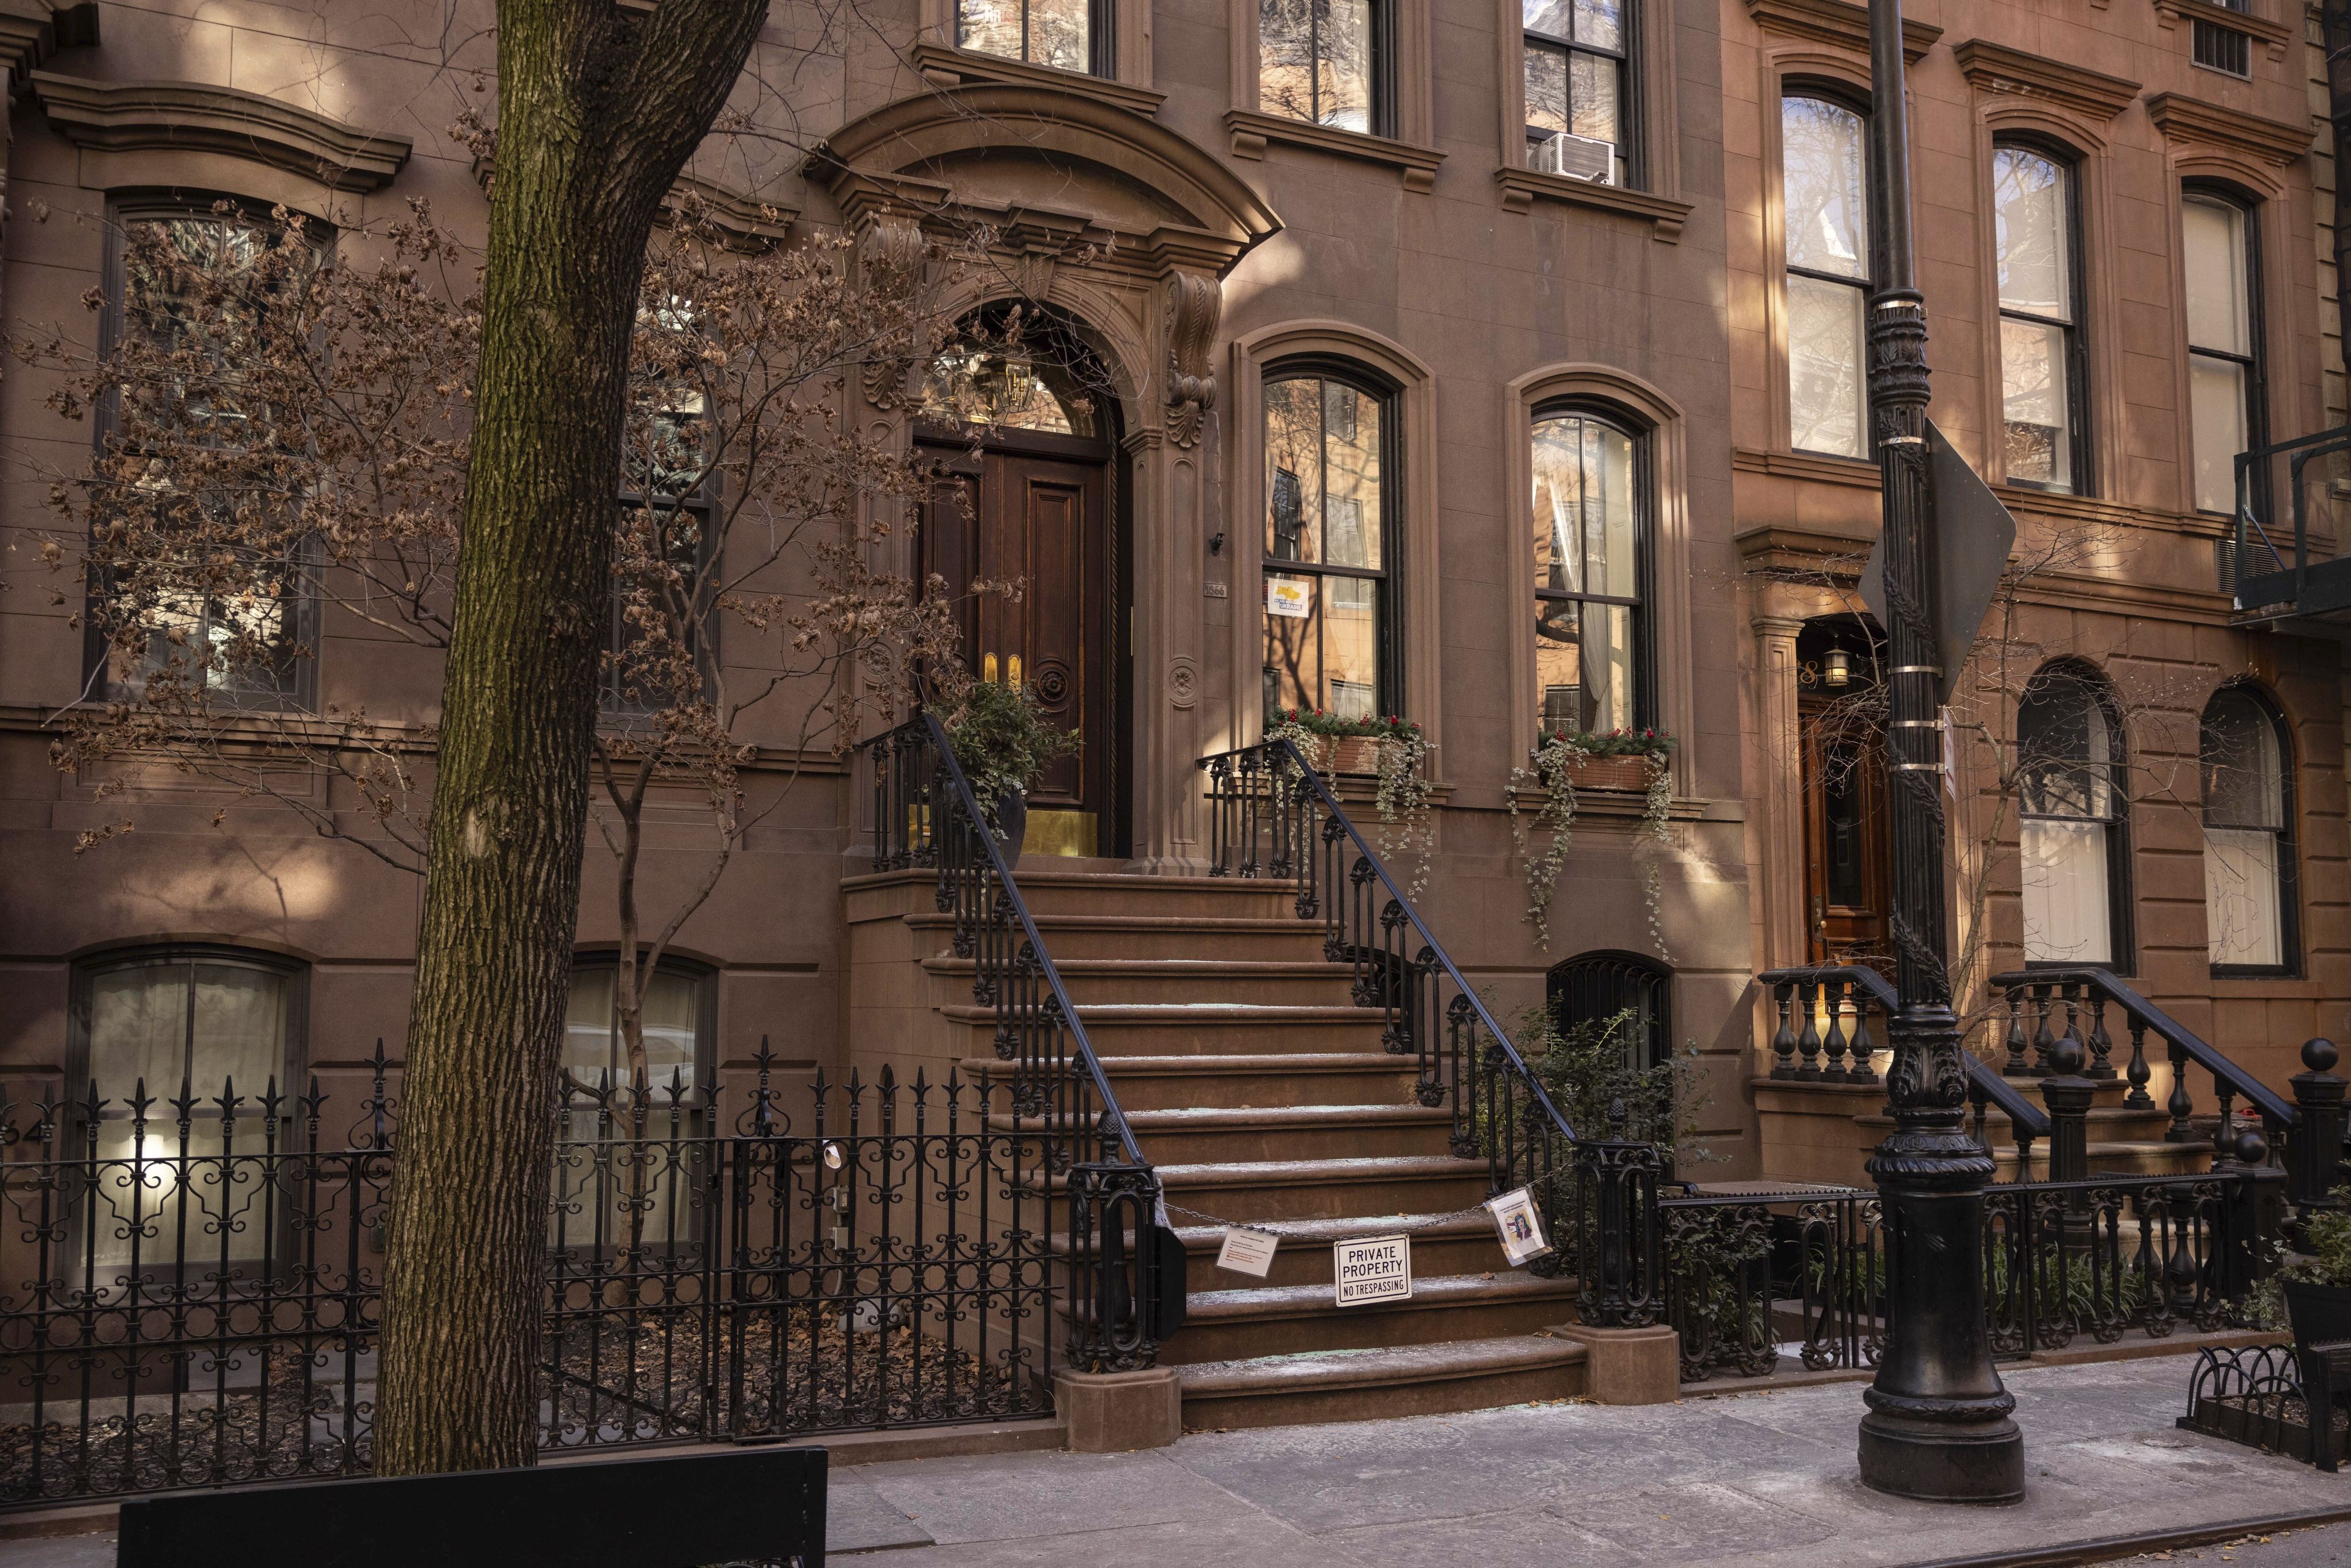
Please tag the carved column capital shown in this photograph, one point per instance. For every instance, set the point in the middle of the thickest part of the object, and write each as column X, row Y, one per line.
column 1195, row 304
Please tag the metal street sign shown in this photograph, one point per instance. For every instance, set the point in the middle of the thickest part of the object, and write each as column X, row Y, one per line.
column 1973, row 533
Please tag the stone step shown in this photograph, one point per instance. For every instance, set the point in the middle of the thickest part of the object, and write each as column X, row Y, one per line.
column 1369, row 1385
column 1459, row 1246
column 2138, row 1157
column 1322, row 1190
column 1201, row 1134
column 1299, row 1077
column 1218, row 1029
column 1134, row 936
column 1048, row 890
column 1219, row 1325
column 1180, row 981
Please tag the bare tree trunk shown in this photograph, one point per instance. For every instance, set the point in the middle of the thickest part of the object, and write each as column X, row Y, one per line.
column 599, row 108
column 2334, row 31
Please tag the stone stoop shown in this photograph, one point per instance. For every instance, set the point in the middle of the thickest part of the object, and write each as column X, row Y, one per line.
column 1261, row 1092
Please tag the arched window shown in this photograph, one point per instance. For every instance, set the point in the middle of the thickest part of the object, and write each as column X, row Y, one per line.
column 2074, row 811
column 2037, row 244
column 1824, row 189
column 680, row 1015
column 2249, row 859
column 1591, row 579
column 1593, row 988
column 1330, row 633
column 189, row 1024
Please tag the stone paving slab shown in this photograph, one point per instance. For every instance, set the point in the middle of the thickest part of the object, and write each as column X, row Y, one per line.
column 1760, row 1478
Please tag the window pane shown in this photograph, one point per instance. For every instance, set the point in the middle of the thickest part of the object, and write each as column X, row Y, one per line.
column 1293, row 652
column 2245, row 785
column 1583, row 665
column 2213, row 248
column 1593, row 91
column 2067, row 751
column 1600, row 22
column 1824, row 380
column 2216, row 418
column 138, row 1030
column 1345, row 73
column 2029, row 220
column 1553, row 18
column 1546, row 93
column 1559, row 504
column 1608, row 511
column 1827, row 203
column 591, row 1043
column 240, row 1028
column 1057, row 33
column 991, row 26
column 1351, row 647
column 673, row 1023
column 1294, row 462
column 1351, row 448
column 2240, row 897
column 671, row 1014
column 1285, row 66
column 2066, row 911
column 2039, row 443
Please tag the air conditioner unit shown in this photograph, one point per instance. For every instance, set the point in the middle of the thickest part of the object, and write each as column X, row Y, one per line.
column 1577, row 157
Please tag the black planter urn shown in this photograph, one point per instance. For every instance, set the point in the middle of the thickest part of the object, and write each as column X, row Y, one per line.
column 2320, row 1314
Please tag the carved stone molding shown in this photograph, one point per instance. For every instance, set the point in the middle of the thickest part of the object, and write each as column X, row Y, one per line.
column 1193, row 304
column 1522, row 188
column 892, row 248
column 1838, row 21
column 33, row 30
column 2274, row 35
column 1182, row 684
column 1250, row 131
column 2184, row 118
column 186, row 116
column 1996, row 68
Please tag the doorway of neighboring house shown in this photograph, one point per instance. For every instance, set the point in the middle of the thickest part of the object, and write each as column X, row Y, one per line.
column 1842, row 719
column 1020, row 436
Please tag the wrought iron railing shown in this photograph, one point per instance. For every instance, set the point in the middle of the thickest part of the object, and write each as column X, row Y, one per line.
column 1850, row 996
column 192, row 1298
column 2047, row 1004
column 1272, row 815
column 1125, row 1269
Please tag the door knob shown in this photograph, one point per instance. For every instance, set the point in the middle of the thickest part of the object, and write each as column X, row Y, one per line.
column 1820, row 914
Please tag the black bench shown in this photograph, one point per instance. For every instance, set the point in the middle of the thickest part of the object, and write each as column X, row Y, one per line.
column 762, row 1505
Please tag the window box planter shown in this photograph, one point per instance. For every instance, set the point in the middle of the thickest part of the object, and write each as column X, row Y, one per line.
column 1630, row 774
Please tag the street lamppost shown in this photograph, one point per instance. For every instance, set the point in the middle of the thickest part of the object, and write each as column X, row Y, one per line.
column 1938, row 1424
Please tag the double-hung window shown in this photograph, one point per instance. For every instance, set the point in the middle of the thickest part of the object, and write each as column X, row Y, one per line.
column 1825, row 196
column 2040, row 369
column 1590, row 539
column 1578, row 87
column 1330, row 598
column 2224, row 358
column 1325, row 62
column 631, row 1174
column 1062, row 34
column 2249, row 859
column 2071, row 833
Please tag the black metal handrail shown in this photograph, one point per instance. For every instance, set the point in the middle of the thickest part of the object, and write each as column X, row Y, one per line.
column 2076, row 987
column 1272, row 815
column 1795, row 1053
column 1126, row 1278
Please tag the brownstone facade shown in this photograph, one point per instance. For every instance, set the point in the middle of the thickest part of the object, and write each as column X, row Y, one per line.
column 1204, row 243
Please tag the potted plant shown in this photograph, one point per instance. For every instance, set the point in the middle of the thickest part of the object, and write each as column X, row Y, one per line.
column 1334, row 744
column 2316, row 1284
column 1566, row 761
column 1392, row 750
column 1003, row 743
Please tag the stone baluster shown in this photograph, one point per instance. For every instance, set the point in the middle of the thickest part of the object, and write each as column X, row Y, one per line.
column 1808, row 1043
column 2101, row 1043
column 1833, row 993
column 1863, row 1071
column 2015, row 1066
column 2179, row 1104
column 2139, row 1098
column 1784, row 1038
column 2041, row 1039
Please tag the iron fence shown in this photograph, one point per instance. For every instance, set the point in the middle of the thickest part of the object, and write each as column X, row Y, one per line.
column 191, row 1299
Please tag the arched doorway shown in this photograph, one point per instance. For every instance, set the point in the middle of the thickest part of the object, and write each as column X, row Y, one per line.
column 1020, row 420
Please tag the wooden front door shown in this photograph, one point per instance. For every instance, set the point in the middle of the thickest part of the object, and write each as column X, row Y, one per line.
column 1035, row 517
column 1845, row 871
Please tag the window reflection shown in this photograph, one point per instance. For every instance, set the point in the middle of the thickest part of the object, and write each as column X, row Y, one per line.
column 1056, row 33
column 1326, row 578
column 1587, row 511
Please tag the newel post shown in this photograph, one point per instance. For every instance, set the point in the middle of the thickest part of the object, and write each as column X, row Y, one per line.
column 2068, row 1095
column 2314, row 1148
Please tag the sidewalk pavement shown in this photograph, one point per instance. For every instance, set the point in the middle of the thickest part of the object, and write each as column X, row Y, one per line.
column 1763, row 1478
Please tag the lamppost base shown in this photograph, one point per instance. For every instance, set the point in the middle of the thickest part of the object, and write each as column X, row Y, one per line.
column 1943, row 1461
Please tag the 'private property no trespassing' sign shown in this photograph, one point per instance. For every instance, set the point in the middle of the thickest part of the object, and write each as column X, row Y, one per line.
column 1372, row 1269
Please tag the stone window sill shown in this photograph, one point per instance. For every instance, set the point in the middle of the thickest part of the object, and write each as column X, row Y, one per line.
column 944, row 67
column 1251, row 132
column 1522, row 188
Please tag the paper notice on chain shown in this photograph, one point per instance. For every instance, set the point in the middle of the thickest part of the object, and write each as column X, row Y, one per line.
column 1248, row 1250
column 1519, row 1224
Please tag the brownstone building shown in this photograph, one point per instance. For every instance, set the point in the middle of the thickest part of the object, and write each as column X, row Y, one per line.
column 1494, row 365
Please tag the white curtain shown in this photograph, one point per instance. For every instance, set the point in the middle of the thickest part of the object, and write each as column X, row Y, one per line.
column 2240, row 896
column 2066, row 904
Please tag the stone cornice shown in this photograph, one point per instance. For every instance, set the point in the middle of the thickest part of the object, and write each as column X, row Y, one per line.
column 33, row 30
column 1837, row 22
column 1996, row 68
column 1807, row 465
column 2184, row 118
column 2169, row 14
column 744, row 224
column 186, row 116
column 944, row 66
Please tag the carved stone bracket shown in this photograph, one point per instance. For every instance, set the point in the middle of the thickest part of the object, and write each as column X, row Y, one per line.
column 1193, row 304
column 890, row 250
